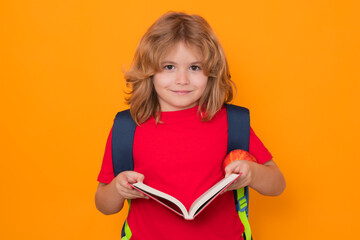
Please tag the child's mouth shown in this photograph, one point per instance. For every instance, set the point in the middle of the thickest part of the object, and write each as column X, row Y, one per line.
column 181, row 92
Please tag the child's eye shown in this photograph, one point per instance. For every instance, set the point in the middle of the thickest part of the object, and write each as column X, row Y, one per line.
column 169, row 67
column 195, row 68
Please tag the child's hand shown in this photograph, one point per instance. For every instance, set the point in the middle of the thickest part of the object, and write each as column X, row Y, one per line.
column 245, row 168
column 122, row 184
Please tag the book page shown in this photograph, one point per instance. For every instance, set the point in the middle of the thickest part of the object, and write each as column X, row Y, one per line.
column 176, row 206
column 207, row 197
column 162, row 198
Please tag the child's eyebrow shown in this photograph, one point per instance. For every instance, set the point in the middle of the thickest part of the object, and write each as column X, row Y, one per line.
column 198, row 62
column 171, row 62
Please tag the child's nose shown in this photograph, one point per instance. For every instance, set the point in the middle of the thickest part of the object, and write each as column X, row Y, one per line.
column 182, row 78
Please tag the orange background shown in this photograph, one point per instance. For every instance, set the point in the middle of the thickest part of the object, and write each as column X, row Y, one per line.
column 296, row 66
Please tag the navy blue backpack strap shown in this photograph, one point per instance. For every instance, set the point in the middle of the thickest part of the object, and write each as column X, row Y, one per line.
column 122, row 142
column 238, row 138
column 238, row 127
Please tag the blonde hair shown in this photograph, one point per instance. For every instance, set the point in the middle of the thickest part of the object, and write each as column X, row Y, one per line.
column 166, row 32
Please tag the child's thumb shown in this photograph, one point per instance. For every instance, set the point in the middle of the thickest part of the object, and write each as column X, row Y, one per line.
column 228, row 170
column 139, row 177
column 134, row 177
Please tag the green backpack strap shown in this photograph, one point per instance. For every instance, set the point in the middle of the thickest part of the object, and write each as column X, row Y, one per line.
column 238, row 138
column 242, row 200
column 126, row 231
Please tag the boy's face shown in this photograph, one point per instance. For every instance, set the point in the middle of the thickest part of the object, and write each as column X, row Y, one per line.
column 181, row 81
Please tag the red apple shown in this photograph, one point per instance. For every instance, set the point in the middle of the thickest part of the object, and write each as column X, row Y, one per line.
column 238, row 154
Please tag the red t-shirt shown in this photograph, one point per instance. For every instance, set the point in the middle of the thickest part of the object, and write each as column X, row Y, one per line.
column 182, row 157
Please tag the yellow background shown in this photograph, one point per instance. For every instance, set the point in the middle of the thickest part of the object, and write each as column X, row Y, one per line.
column 296, row 66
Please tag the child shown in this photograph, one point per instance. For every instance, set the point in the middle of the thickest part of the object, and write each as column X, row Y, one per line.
column 180, row 82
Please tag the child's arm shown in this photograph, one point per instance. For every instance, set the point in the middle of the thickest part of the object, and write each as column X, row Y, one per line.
column 266, row 179
column 110, row 198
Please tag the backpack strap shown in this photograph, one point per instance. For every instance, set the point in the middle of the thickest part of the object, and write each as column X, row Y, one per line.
column 122, row 152
column 122, row 142
column 238, row 138
column 238, row 127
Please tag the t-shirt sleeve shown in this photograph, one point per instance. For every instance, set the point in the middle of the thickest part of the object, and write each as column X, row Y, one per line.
column 106, row 174
column 257, row 148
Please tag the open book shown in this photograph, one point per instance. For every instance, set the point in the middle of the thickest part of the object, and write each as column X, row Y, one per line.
column 176, row 206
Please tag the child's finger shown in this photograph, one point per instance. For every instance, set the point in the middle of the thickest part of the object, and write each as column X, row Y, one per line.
column 133, row 195
column 130, row 193
column 134, row 177
column 231, row 168
column 124, row 184
column 236, row 185
column 228, row 171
